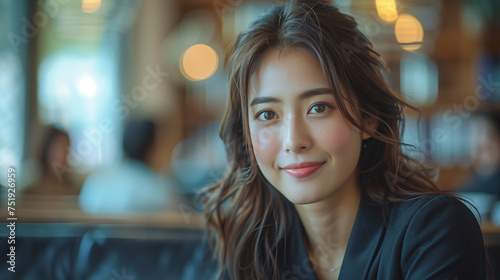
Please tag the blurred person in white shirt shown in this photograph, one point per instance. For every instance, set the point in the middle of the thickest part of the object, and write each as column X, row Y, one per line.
column 131, row 185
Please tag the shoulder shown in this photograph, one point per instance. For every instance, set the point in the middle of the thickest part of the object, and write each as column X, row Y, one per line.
column 431, row 206
column 434, row 213
column 438, row 227
column 429, row 200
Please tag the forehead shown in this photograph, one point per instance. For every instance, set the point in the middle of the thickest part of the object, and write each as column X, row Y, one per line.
column 288, row 71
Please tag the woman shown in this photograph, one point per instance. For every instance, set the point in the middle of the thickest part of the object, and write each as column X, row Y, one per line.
column 54, row 179
column 317, row 185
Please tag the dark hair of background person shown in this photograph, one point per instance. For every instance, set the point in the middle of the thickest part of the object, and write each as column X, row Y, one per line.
column 138, row 138
column 245, row 213
column 494, row 117
column 51, row 134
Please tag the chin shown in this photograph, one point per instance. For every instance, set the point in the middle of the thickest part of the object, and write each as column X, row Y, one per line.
column 306, row 196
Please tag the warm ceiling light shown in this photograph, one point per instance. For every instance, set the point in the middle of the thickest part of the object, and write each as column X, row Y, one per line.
column 386, row 10
column 198, row 62
column 91, row 6
column 409, row 32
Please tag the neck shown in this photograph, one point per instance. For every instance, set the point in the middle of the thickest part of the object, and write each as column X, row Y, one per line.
column 328, row 224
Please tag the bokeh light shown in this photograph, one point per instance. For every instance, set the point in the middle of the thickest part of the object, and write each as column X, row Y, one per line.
column 91, row 6
column 386, row 10
column 87, row 86
column 409, row 32
column 198, row 62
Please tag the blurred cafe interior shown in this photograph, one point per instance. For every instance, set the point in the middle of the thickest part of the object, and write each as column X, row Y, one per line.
column 110, row 111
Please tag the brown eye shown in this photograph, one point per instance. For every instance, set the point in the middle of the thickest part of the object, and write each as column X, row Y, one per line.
column 318, row 108
column 267, row 115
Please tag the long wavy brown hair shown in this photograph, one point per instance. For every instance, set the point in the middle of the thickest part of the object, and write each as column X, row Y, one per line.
column 244, row 213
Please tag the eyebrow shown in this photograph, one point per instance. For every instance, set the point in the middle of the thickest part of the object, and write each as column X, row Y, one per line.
column 302, row 96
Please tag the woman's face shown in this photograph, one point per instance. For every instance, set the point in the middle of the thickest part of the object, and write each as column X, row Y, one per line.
column 303, row 145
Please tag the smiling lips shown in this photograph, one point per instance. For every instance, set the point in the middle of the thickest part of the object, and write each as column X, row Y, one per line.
column 303, row 169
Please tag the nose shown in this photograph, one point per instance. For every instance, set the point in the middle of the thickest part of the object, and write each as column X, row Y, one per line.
column 296, row 135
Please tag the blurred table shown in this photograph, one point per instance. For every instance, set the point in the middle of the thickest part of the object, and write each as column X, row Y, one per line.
column 491, row 233
column 65, row 209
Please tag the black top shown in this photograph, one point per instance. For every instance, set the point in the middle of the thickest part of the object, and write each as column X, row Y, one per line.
column 430, row 237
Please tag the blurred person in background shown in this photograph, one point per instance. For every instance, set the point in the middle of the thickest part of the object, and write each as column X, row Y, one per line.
column 483, row 186
column 131, row 185
column 486, row 174
column 53, row 164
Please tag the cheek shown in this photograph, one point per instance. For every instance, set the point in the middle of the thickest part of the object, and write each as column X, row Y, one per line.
column 265, row 144
column 339, row 137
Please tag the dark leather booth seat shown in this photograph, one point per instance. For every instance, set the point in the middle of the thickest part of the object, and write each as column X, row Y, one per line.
column 61, row 251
